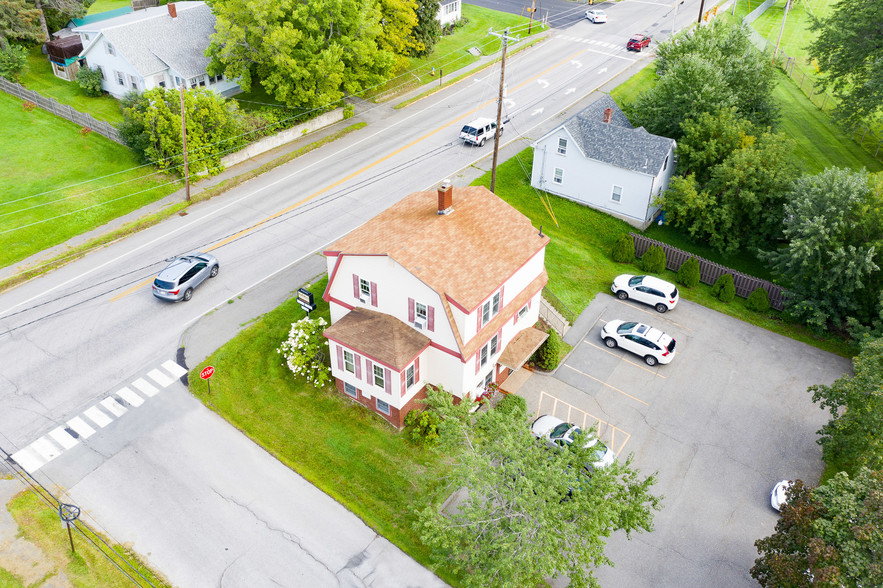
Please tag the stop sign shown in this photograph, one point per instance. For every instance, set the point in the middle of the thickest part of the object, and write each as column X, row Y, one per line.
column 207, row 373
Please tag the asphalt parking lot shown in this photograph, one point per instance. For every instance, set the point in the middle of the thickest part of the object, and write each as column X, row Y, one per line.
column 721, row 424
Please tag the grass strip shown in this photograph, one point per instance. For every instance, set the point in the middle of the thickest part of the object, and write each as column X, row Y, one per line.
column 89, row 566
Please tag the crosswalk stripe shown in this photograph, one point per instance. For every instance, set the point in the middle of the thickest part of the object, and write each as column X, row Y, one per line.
column 28, row 459
column 145, row 386
column 173, row 368
column 130, row 397
column 46, row 448
column 113, row 406
column 160, row 378
column 98, row 417
column 63, row 438
column 80, row 426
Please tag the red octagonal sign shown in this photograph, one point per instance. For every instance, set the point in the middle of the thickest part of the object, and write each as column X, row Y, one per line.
column 207, row 373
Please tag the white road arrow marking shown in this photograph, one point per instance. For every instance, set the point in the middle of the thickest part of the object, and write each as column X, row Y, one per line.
column 602, row 70
column 509, row 103
column 570, row 91
column 576, row 63
column 543, row 83
column 536, row 112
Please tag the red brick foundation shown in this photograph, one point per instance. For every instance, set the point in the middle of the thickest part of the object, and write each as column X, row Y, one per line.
column 396, row 416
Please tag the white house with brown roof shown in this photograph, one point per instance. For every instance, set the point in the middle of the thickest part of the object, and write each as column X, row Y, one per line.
column 442, row 288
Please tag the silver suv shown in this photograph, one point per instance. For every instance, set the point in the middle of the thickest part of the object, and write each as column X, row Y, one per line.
column 179, row 278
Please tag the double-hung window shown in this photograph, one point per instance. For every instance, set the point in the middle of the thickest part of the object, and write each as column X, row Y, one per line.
column 420, row 312
column 490, row 309
column 616, row 196
column 523, row 311
column 350, row 390
column 490, row 349
column 349, row 361
column 109, row 49
column 364, row 290
column 559, row 176
column 562, row 146
column 379, row 381
column 409, row 376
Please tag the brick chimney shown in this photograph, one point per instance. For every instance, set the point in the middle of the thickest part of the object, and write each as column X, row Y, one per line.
column 445, row 197
column 172, row 12
column 608, row 112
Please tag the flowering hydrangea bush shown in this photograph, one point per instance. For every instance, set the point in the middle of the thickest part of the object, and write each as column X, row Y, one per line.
column 305, row 351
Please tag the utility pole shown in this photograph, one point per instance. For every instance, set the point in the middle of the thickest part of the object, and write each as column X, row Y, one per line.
column 533, row 8
column 505, row 38
column 184, row 143
column 782, row 30
column 701, row 8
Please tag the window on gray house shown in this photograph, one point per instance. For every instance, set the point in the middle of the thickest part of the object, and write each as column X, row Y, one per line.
column 562, row 146
column 617, row 194
column 559, row 175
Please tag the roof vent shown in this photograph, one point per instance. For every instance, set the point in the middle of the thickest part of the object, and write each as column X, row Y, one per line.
column 608, row 112
column 445, row 197
column 172, row 11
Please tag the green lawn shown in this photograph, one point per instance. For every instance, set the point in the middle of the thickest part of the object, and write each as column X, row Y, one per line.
column 41, row 80
column 347, row 452
column 451, row 52
column 39, row 182
column 105, row 5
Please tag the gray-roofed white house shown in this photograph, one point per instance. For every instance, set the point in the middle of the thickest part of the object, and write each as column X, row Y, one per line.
column 597, row 158
column 162, row 46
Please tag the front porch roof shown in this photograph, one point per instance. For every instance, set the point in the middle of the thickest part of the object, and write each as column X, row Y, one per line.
column 522, row 347
column 379, row 336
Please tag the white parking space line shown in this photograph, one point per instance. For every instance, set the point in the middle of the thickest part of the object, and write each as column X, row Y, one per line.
column 28, row 459
column 160, row 378
column 653, row 313
column 46, row 449
column 637, row 365
column 113, row 407
column 130, row 397
column 603, row 383
column 146, row 387
column 82, row 429
column 97, row 417
column 63, row 438
column 173, row 368
column 586, row 421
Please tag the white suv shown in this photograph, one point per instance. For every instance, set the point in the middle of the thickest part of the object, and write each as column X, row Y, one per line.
column 479, row 131
column 657, row 293
column 651, row 344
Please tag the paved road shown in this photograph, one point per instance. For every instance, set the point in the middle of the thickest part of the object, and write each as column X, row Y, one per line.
column 74, row 341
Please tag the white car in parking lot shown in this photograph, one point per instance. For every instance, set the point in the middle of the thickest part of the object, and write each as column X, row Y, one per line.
column 659, row 294
column 651, row 344
column 558, row 434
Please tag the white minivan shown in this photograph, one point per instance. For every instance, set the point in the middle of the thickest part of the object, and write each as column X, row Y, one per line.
column 479, row 131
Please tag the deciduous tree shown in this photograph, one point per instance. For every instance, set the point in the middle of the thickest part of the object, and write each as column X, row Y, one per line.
column 305, row 54
column 428, row 30
column 527, row 513
column 853, row 438
column 831, row 264
column 850, row 56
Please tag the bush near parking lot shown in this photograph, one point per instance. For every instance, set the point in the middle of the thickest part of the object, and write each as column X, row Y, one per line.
column 653, row 262
column 724, row 288
column 688, row 273
column 758, row 301
column 624, row 249
column 547, row 356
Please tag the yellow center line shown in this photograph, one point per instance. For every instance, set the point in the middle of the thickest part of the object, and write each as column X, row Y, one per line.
column 349, row 177
column 132, row 289
column 602, row 382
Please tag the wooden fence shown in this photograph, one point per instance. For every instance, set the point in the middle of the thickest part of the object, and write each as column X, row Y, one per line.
column 50, row 105
column 710, row 271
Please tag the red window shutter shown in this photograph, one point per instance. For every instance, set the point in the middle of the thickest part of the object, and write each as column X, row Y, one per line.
column 369, row 372
column 477, row 359
column 417, row 370
column 404, row 383
column 515, row 318
column 373, row 294
column 501, row 296
column 340, row 358
column 355, row 286
column 410, row 310
column 478, row 328
column 430, row 318
column 358, row 360
column 387, row 381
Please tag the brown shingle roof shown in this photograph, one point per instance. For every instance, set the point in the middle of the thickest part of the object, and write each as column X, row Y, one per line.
column 378, row 335
column 464, row 255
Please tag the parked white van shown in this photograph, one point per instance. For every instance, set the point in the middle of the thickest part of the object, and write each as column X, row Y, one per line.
column 479, row 131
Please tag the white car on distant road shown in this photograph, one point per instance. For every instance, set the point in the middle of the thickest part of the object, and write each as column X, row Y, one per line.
column 596, row 16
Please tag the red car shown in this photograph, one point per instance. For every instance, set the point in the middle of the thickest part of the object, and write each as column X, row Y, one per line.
column 638, row 42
